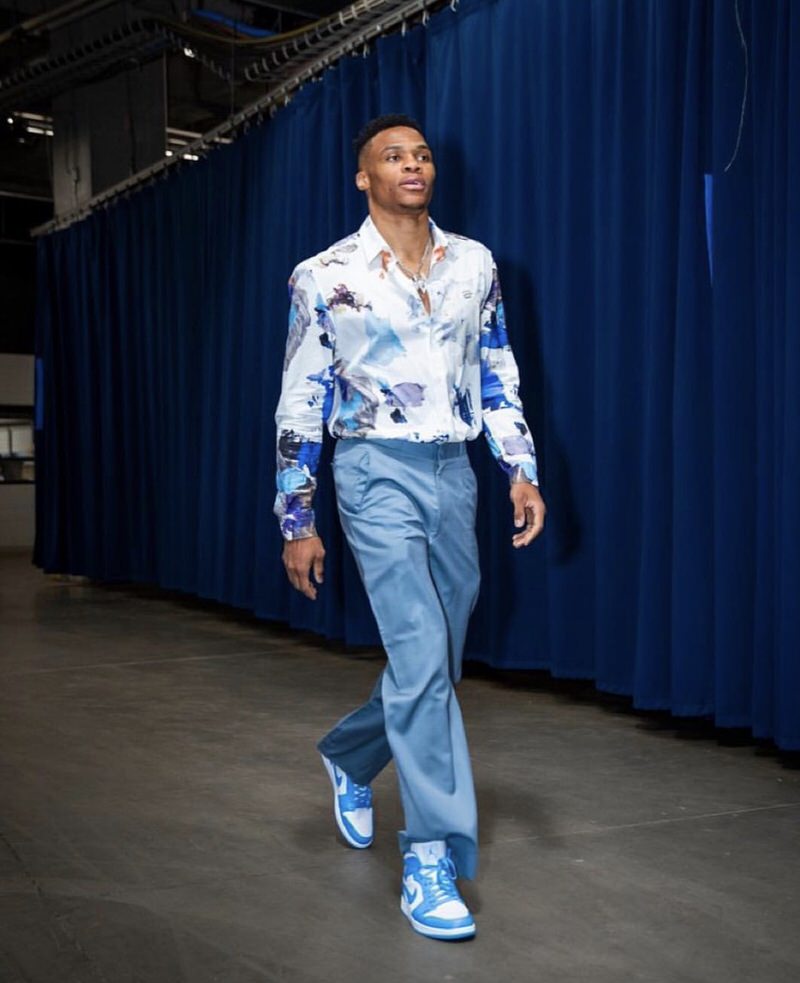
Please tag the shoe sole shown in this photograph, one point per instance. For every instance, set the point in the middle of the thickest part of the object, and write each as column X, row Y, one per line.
column 443, row 934
column 337, row 811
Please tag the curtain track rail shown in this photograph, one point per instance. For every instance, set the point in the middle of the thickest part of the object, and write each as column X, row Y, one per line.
column 275, row 98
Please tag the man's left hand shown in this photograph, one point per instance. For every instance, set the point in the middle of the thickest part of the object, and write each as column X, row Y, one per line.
column 529, row 511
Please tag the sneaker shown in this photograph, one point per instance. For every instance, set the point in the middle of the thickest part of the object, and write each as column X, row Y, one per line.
column 352, row 804
column 430, row 898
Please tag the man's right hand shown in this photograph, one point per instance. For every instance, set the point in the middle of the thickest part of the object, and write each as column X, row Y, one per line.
column 300, row 556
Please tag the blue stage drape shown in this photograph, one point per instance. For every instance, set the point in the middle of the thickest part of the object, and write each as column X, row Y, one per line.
column 590, row 145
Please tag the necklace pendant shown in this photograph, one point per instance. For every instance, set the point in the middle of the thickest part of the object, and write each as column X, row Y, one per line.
column 422, row 293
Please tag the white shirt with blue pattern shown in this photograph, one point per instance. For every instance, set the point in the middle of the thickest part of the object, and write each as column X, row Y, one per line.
column 364, row 357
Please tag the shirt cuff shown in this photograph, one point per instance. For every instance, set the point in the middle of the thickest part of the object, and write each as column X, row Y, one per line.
column 308, row 533
column 519, row 475
column 298, row 526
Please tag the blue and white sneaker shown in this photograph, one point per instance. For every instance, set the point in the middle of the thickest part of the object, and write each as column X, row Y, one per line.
column 352, row 805
column 430, row 898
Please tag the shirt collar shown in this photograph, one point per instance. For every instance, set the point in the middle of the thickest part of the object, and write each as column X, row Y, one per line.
column 375, row 246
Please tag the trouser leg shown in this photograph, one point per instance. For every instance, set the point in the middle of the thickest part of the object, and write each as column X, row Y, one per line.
column 358, row 742
column 414, row 557
column 453, row 555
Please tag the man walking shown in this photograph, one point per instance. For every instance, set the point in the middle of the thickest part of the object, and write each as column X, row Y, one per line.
column 397, row 341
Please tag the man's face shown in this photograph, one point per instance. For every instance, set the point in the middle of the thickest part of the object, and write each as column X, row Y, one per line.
column 397, row 171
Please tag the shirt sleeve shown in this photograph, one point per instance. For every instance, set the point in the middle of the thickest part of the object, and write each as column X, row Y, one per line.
column 304, row 405
column 503, row 422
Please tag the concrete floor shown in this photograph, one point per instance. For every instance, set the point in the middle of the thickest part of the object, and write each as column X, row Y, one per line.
column 165, row 817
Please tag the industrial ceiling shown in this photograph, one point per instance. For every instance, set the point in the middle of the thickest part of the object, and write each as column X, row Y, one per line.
column 217, row 57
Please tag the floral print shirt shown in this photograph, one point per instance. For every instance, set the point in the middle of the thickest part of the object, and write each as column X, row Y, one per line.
column 365, row 357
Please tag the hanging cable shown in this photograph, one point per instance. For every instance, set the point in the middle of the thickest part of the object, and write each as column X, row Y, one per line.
column 743, row 42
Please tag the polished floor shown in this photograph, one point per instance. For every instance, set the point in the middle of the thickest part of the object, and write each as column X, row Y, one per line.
column 164, row 817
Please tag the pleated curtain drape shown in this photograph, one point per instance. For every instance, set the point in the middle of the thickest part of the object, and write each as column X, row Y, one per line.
column 647, row 232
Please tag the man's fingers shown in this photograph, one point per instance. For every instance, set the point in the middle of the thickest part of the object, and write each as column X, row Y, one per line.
column 530, row 533
column 306, row 587
column 299, row 580
column 299, row 559
column 527, row 537
column 535, row 524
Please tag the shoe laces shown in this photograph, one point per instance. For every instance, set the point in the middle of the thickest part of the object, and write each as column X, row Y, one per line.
column 362, row 795
column 439, row 882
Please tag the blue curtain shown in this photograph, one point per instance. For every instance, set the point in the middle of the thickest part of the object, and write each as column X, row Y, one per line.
column 648, row 239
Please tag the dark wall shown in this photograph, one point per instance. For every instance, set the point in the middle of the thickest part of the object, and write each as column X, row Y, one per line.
column 18, row 271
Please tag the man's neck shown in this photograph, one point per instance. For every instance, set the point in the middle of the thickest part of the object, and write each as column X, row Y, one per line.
column 406, row 234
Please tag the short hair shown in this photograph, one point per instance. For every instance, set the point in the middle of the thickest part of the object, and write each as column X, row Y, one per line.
column 375, row 126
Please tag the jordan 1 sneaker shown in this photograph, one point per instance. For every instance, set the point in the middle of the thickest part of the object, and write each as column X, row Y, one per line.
column 352, row 805
column 430, row 898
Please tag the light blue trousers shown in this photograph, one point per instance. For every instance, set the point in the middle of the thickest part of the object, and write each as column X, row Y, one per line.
column 408, row 511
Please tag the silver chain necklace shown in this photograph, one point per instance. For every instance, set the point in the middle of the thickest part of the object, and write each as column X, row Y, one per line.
column 419, row 281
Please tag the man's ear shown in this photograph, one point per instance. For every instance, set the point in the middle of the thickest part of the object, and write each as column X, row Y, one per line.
column 362, row 181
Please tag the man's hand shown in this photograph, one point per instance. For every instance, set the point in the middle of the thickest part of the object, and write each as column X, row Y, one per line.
column 529, row 511
column 300, row 556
